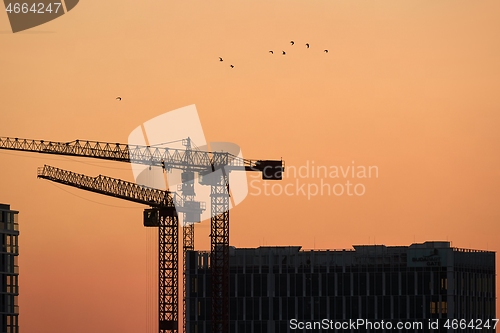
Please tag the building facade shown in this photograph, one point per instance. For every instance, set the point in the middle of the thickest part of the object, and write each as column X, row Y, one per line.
column 9, row 270
column 417, row 288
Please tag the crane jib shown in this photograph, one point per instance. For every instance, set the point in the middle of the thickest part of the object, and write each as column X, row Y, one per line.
column 194, row 160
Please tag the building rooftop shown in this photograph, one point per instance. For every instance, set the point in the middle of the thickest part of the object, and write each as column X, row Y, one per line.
column 4, row 206
column 358, row 249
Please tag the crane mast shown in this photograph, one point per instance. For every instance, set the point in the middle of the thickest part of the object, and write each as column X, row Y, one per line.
column 213, row 168
column 219, row 254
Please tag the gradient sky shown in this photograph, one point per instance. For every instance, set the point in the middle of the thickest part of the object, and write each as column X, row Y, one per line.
column 411, row 87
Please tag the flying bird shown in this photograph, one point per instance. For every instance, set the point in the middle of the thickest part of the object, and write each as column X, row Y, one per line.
column 283, row 52
column 292, row 42
column 307, row 45
column 271, row 52
column 119, row 98
column 232, row 66
column 220, row 59
column 326, row 51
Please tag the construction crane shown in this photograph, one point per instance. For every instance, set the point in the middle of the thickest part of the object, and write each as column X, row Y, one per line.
column 213, row 169
column 163, row 214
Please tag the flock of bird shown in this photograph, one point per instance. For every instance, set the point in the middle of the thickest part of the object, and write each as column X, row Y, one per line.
column 282, row 52
column 270, row 51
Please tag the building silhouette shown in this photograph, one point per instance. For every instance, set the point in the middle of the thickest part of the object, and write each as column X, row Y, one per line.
column 285, row 289
column 9, row 270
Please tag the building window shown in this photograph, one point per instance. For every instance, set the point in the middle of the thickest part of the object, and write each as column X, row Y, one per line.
column 439, row 307
column 444, row 283
column 444, row 307
column 433, row 308
column 194, row 285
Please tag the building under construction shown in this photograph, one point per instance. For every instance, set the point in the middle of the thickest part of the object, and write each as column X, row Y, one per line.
column 9, row 270
column 284, row 289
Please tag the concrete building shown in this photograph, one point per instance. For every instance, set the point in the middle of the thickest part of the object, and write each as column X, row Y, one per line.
column 9, row 270
column 285, row 289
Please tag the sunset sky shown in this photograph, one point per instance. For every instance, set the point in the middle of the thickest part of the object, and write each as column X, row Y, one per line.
column 409, row 87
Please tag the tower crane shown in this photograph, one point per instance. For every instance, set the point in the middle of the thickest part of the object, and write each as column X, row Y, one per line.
column 213, row 169
column 163, row 214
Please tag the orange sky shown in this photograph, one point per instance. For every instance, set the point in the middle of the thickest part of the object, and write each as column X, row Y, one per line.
column 408, row 86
